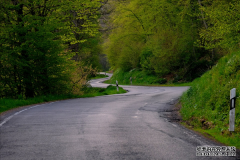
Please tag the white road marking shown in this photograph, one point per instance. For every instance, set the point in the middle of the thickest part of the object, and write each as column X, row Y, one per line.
column 10, row 117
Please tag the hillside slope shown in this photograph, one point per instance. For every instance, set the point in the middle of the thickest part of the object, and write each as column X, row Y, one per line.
column 138, row 78
column 205, row 106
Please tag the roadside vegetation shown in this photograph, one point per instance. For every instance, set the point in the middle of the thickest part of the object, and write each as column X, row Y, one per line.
column 95, row 91
column 206, row 105
column 8, row 104
column 48, row 47
column 141, row 77
column 97, row 76
column 48, row 50
column 176, row 39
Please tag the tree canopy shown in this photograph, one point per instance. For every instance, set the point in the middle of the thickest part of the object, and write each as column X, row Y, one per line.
column 174, row 38
column 39, row 39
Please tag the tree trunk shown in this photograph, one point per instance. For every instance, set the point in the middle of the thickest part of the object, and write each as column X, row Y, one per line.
column 27, row 77
column 206, row 27
column 204, row 22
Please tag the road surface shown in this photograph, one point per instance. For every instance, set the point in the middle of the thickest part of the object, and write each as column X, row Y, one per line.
column 132, row 126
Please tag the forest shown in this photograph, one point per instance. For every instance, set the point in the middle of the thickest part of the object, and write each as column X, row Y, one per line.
column 47, row 46
column 52, row 46
column 176, row 39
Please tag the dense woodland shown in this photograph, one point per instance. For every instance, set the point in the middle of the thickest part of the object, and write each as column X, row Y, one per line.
column 47, row 46
column 51, row 46
column 179, row 39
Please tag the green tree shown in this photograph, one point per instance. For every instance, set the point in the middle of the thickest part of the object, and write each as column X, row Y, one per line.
column 161, row 37
column 35, row 36
column 222, row 30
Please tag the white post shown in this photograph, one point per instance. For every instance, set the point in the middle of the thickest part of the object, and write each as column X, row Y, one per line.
column 131, row 80
column 117, row 85
column 232, row 109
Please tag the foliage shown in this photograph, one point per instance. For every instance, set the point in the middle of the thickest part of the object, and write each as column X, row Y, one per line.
column 184, row 38
column 92, row 92
column 160, row 81
column 206, row 104
column 223, row 26
column 138, row 78
column 38, row 40
column 89, row 53
column 79, row 78
column 97, row 76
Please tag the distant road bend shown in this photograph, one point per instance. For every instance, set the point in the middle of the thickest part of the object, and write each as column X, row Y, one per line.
column 131, row 126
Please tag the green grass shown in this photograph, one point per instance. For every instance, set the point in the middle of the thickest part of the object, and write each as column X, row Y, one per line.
column 8, row 104
column 93, row 92
column 231, row 139
column 205, row 106
column 99, row 76
column 141, row 78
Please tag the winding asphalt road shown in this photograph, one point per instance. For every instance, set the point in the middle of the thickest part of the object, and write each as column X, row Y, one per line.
column 131, row 126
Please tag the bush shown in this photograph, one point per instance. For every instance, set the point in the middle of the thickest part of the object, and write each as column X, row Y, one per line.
column 160, row 81
column 208, row 99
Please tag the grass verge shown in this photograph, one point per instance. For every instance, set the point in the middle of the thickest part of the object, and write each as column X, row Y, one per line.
column 232, row 139
column 93, row 92
column 8, row 104
column 206, row 105
column 99, row 76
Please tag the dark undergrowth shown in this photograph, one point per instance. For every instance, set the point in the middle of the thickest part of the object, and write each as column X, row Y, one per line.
column 143, row 78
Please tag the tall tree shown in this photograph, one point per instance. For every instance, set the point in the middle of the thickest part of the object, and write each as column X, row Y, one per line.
column 162, row 37
column 35, row 38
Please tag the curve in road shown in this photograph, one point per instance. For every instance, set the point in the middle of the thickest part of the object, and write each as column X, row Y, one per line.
column 127, row 126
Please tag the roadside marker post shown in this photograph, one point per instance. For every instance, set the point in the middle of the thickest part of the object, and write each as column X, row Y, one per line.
column 131, row 80
column 232, row 109
column 117, row 85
